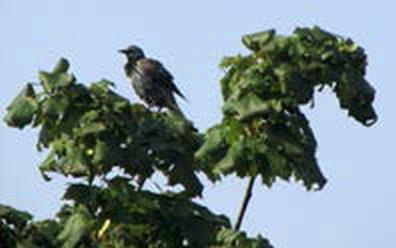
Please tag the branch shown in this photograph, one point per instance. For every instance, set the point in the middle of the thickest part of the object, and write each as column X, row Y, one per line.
column 140, row 183
column 242, row 211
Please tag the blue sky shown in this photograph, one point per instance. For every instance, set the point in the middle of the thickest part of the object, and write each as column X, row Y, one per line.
column 355, row 209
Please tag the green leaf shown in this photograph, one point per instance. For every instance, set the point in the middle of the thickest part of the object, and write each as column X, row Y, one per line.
column 77, row 226
column 61, row 66
column 48, row 165
column 214, row 141
column 257, row 40
column 251, row 106
column 67, row 158
column 102, row 85
column 356, row 95
column 225, row 165
column 75, row 161
column 58, row 78
column 90, row 128
column 55, row 107
column 22, row 109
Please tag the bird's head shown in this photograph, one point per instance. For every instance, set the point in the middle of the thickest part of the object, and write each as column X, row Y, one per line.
column 133, row 53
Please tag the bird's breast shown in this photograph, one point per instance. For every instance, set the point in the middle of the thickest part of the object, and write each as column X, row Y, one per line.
column 141, row 87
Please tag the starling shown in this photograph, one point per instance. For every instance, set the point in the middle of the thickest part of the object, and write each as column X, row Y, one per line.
column 151, row 81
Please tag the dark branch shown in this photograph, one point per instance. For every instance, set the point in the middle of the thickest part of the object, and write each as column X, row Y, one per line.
column 248, row 195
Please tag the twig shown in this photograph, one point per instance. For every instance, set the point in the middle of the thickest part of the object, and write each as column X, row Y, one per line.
column 140, row 182
column 246, row 199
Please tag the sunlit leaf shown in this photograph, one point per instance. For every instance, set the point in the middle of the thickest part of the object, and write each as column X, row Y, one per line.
column 256, row 41
column 22, row 109
column 76, row 227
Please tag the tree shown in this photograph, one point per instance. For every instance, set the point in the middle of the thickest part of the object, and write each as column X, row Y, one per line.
column 111, row 146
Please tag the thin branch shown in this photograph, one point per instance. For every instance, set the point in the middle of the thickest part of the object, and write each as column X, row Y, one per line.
column 245, row 203
column 90, row 205
column 140, row 182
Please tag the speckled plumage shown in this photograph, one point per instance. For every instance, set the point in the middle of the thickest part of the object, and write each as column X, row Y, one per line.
column 150, row 80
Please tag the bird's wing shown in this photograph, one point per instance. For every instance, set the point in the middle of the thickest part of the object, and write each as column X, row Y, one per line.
column 155, row 70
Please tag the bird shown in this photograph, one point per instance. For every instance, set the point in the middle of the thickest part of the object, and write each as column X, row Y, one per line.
column 152, row 82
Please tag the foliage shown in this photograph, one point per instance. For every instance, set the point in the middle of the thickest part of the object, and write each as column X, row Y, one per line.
column 112, row 146
column 264, row 131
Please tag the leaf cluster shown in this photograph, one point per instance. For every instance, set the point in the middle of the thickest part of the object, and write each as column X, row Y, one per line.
column 263, row 131
column 90, row 132
column 111, row 146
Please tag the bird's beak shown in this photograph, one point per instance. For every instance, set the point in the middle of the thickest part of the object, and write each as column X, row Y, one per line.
column 122, row 51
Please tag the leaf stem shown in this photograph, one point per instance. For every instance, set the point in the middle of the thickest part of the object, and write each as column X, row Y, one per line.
column 245, row 203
